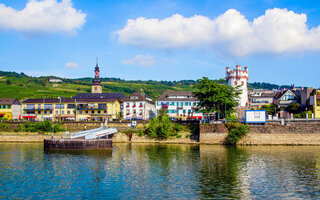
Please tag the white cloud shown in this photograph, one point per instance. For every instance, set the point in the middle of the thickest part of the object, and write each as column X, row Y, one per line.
column 142, row 60
column 72, row 65
column 277, row 31
column 47, row 16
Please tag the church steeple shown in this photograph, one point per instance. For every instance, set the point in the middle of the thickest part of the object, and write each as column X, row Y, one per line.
column 96, row 86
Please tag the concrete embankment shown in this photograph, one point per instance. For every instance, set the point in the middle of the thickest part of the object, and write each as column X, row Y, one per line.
column 23, row 138
column 13, row 137
column 272, row 134
column 124, row 138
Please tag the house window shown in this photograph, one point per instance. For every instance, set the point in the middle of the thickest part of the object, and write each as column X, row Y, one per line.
column 30, row 106
column 92, row 112
column 50, row 112
column 39, row 106
column 68, row 112
column 105, row 111
column 45, row 112
column 58, row 106
column 48, row 106
column 184, row 111
column 87, row 112
column 56, row 112
column 80, row 112
column 172, row 103
column 235, row 83
column 134, row 111
column 91, row 105
column 99, row 111
column 63, row 112
column 39, row 112
column 71, row 106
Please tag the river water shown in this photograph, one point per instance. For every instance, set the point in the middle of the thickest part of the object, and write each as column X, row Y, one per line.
column 160, row 172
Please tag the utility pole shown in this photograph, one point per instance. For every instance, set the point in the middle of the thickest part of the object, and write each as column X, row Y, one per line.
column 75, row 109
column 60, row 109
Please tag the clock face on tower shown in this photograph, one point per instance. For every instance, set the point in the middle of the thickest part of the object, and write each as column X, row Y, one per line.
column 97, row 73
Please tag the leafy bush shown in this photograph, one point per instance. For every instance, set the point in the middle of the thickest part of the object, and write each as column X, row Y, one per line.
column 45, row 126
column 232, row 118
column 236, row 132
column 4, row 127
column 162, row 127
column 303, row 114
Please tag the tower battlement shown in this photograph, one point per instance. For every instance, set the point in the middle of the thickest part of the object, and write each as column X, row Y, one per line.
column 237, row 73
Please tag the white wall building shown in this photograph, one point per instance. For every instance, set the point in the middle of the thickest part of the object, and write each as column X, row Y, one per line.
column 239, row 77
column 258, row 98
column 138, row 106
column 179, row 105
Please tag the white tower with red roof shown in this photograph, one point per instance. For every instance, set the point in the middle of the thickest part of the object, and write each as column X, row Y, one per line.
column 239, row 78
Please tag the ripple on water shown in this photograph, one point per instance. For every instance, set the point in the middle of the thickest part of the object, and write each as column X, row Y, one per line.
column 159, row 171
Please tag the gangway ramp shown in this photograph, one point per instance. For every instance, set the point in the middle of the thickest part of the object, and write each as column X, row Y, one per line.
column 101, row 133
column 82, row 134
column 94, row 133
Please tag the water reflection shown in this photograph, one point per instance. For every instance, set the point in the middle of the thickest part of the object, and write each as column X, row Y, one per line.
column 149, row 171
column 219, row 172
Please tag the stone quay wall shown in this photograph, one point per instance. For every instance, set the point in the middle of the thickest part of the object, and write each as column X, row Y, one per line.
column 270, row 134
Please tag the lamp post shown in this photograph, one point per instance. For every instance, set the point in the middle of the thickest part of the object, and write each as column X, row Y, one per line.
column 75, row 109
column 60, row 110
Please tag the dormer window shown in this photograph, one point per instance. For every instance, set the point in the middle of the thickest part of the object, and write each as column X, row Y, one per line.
column 133, row 97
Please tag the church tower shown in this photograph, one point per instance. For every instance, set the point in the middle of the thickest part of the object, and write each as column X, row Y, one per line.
column 239, row 78
column 96, row 85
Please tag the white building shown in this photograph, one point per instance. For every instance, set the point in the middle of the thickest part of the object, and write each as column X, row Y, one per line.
column 239, row 78
column 179, row 105
column 138, row 106
column 55, row 80
column 258, row 98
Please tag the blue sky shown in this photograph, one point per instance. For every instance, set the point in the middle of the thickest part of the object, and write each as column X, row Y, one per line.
column 163, row 40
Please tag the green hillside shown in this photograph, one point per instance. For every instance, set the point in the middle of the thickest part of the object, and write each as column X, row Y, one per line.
column 21, row 86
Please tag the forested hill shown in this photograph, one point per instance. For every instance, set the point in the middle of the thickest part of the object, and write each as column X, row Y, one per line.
column 22, row 86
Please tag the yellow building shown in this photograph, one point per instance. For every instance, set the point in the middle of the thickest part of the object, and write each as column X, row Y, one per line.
column 315, row 102
column 10, row 109
column 71, row 109
column 98, row 109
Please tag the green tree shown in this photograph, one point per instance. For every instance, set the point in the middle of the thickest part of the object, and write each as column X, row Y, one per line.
column 215, row 96
column 271, row 109
column 293, row 108
column 8, row 82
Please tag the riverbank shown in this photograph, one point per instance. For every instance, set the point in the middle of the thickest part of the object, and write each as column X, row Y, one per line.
column 215, row 134
column 26, row 137
column 212, row 139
